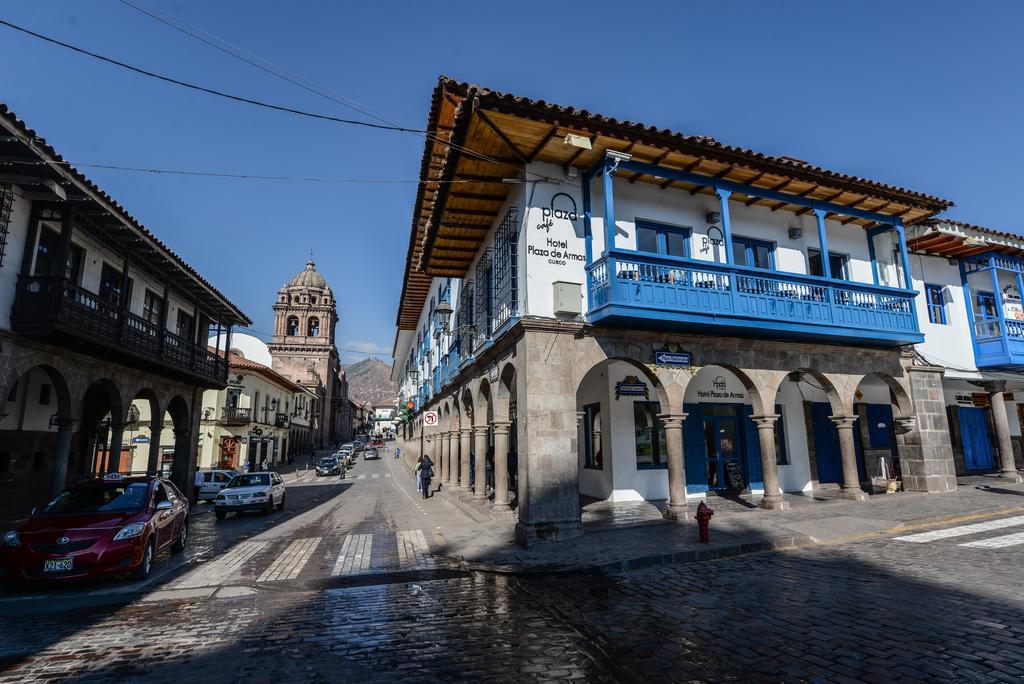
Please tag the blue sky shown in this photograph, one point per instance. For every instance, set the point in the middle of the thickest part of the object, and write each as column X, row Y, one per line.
column 920, row 94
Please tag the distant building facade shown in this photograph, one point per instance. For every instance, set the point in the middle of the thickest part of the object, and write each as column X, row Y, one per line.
column 304, row 351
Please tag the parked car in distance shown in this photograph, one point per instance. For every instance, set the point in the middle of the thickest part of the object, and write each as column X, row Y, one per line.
column 370, row 454
column 250, row 492
column 109, row 525
column 328, row 465
column 213, row 482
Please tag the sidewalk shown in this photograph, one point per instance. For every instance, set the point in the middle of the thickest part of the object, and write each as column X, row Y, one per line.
column 629, row 536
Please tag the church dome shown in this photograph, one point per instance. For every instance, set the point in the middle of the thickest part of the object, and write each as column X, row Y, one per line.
column 310, row 277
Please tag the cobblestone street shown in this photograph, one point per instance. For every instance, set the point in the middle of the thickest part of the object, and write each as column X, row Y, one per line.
column 349, row 584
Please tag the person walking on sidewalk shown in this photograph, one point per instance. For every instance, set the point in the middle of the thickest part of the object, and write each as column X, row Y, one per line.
column 424, row 473
column 197, row 486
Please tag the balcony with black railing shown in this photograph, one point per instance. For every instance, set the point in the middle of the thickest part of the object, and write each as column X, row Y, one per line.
column 54, row 307
column 235, row 415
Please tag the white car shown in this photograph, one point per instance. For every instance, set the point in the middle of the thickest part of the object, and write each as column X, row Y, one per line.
column 250, row 492
column 213, row 482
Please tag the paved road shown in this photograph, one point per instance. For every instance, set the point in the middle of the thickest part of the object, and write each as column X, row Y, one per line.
column 348, row 586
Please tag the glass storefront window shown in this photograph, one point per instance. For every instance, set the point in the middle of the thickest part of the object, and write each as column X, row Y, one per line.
column 651, row 451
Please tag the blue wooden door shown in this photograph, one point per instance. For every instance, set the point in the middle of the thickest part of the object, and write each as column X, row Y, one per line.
column 826, row 444
column 974, row 434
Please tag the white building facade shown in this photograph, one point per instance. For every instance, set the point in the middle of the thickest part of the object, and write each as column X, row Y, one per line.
column 598, row 310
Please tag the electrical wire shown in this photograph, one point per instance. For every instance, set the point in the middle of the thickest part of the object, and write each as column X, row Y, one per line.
column 263, row 104
column 204, row 89
column 241, row 176
column 266, row 65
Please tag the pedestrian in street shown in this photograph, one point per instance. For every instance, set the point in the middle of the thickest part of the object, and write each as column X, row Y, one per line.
column 398, row 452
column 197, row 485
column 263, row 465
column 424, row 473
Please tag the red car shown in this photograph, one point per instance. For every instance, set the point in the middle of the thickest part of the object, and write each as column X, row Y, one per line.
column 113, row 525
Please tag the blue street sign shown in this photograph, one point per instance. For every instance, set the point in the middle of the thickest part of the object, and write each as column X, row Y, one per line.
column 667, row 358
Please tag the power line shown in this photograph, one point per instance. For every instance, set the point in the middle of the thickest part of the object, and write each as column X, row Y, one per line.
column 209, row 91
column 241, row 176
column 247, row 100
column 277, row 70
column 253, row 59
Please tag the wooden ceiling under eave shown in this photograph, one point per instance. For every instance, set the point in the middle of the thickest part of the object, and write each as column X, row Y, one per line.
column 473, row 202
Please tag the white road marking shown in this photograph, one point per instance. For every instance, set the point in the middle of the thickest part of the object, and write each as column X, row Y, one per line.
column 354, row 556
column 413, row 551
column 361, row 477
column 964, row 530
column 387, row 474
column 289, row 564
column 998, row 542
column 375, row 476
column 220, row 570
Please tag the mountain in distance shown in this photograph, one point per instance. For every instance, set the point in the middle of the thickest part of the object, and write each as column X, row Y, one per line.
column 369, row 381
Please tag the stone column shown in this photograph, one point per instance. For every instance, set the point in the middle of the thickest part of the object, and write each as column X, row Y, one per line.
column 452, row 473
column 465, row 449
column 114, row 452
column 1007, row 468
column 851, row 480
column 501, row 428
column 156, row 428
column 442, row 449
column 480, row 469
column 673, row 426
column 61, row 456
column 770, row 463
column 923, row 443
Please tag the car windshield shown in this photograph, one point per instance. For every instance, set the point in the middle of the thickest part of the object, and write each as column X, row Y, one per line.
column 254, row 480
column 328, row 462
column 117, row 497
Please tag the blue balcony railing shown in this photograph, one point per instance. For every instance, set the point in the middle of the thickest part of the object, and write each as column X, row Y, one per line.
column 676, row 292
column 436, row 378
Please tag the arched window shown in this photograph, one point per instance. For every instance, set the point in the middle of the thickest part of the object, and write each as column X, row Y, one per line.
column 293, row 326
column 314, row 327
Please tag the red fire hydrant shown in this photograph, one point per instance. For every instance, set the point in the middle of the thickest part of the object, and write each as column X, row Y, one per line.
column 704, row 514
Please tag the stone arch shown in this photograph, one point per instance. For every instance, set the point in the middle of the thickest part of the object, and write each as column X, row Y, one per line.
column 823, row 383
column 483, row 410
column 898, row 395
column 292, row 326
column 467, row 407
column 61, row 390
column 101, row 437
column 756, row 392
column 313, row 326
column 504, row 391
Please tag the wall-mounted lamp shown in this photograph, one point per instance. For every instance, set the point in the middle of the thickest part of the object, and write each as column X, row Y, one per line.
column 713, row 217
column 795, row 233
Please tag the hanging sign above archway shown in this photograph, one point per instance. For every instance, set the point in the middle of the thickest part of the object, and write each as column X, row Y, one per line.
column 631, row 386
column 672, row 356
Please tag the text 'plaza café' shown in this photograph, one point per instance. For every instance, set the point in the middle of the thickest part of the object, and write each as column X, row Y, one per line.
column 600, row 309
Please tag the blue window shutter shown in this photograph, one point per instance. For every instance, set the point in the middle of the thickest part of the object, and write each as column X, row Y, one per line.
column 694, row 449
column 755, row 478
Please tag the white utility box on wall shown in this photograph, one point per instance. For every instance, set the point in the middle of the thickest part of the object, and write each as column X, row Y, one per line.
column 568, row 298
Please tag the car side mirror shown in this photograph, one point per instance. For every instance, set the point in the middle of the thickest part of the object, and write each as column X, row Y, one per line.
column 164, row 506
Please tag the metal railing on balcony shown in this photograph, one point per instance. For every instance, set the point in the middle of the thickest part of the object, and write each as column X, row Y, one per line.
column 235, row 415
column 625, row 284
column 46, row 305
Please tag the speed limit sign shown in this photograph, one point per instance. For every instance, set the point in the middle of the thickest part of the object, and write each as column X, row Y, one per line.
column 430, row 418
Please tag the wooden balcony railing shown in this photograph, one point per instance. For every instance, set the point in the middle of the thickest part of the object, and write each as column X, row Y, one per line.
column 46, row 306
column 690, row 293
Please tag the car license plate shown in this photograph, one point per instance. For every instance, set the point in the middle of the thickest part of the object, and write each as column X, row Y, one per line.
column 58, row 564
